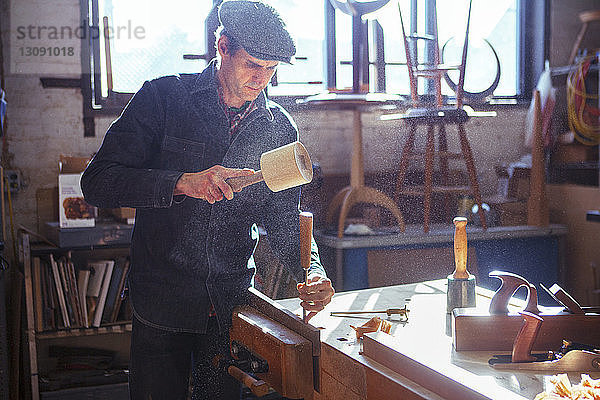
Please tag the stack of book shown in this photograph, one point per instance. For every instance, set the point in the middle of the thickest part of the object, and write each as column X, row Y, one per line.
column 70, row 296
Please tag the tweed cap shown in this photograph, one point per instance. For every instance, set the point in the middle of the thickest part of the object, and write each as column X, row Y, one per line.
column 258, row 28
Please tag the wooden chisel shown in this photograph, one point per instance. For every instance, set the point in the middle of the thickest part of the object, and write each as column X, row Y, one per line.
column 306, row 227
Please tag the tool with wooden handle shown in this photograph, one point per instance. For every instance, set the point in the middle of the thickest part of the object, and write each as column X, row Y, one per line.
column 306, row 227
column 521, row 351
column 573, row 361
column 256, row 386
column 579, row 360
column 461, row 284
column 390, row 311
column 281, row 168
column 509, row 284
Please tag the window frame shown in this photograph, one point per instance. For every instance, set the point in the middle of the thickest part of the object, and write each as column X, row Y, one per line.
column 532, row 21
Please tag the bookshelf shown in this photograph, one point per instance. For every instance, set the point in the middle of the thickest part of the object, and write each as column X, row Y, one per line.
column 58, row 356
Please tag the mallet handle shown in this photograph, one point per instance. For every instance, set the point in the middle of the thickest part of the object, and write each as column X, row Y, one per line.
column 460, row 248
column 239, row 182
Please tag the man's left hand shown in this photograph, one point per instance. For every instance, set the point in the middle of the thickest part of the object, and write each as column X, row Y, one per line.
column 315, row 294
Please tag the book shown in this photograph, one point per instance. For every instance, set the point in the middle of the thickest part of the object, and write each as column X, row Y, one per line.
column 52, row 312
column 37, row 294
column 121, row 292
column 113, row 290
column 97, row 269
column 103, row 292
column 70, row 269
column 83, row 277
column 46, row 309
column 68, row 291
column 59, row 293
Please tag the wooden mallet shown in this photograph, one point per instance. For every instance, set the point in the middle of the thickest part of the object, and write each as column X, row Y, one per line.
column 281, row 168
column 461, row 284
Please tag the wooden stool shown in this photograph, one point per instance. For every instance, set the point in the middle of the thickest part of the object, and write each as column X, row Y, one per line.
column 435, row 116
column 357, row 192
column 432, row 118
column 585, row 17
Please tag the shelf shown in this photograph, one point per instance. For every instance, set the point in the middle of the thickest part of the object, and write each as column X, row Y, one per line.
column 74, row 332
column 111, row 336
column 420, row 190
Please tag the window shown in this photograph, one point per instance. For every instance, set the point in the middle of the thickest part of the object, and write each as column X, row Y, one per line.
column 165, row 34
column 304, row 19
column 150, row 38
column 496, row 22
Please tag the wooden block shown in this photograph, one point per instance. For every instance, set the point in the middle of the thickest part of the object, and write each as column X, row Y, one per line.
column 381, row 386
column 518, row 183
column 285, row 317
column 512, row 212
column 288, row 354
column 332, row 389
column 124, row 213
column 337, row 367
column 476, row 330
column 381, row 349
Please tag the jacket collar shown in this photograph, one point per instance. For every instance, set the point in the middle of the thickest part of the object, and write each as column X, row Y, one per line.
column 207, row 81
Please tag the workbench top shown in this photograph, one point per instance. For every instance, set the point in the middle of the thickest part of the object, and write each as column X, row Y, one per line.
column 430, row 364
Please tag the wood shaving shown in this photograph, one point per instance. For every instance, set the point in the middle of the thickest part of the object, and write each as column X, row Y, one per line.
column 372, row 325
column 561, row 388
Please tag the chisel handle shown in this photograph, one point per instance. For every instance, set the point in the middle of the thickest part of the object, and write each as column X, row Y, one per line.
column 460, row 248
column 306, row 227
column 237, row 183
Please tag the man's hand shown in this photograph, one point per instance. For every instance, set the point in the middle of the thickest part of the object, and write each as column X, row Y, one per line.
column 209, row 184
column 315, row 295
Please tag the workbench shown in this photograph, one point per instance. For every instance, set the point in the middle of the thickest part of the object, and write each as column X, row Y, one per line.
column 425, row 366
column 388, row 258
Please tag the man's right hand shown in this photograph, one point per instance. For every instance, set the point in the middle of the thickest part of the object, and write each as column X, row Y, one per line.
column 209, row 184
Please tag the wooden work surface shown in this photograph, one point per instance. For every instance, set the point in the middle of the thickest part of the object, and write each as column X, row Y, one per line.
column 430, row 367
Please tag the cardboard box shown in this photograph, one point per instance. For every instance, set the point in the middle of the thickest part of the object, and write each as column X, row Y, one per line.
column 518, row 184
column 124, row 214
column 73, row 210
column 510, row 211
column 574, row 153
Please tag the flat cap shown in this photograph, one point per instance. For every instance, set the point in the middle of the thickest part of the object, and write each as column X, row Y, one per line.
column 258, row 28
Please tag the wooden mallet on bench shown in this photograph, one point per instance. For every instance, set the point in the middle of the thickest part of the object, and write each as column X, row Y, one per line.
column 281, row 168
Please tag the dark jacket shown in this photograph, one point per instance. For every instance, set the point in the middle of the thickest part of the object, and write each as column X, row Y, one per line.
column 185, row 252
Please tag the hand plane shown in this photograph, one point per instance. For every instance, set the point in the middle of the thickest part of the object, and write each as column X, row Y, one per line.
column 570, row 358
column 474, row 329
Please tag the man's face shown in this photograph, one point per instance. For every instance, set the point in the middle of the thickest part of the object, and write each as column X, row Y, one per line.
column 242, row 76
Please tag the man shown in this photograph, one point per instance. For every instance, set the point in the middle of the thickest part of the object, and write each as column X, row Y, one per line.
column 169, row 155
